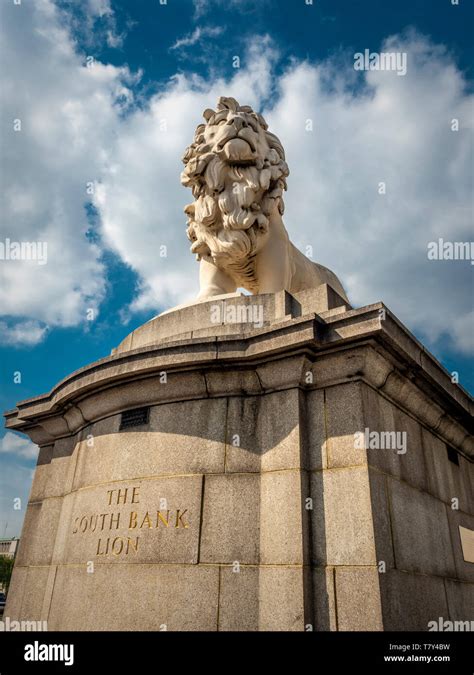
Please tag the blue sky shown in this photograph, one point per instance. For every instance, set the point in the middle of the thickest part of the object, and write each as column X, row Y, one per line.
column 123, row 124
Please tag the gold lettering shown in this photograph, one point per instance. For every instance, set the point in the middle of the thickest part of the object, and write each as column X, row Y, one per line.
column 133, row 544
column 110, row 493
column 122, row 494
column 159, row 516
column 103, row 516
column 83, row 524
column 115, row 550
column 99, row 547
column 179, row 518
column 133, row 520
column 113, row 521
column 75, row 524
column 146, row 519
column 135, row 494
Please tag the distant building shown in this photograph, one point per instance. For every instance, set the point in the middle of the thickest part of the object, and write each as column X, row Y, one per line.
column 9, row 547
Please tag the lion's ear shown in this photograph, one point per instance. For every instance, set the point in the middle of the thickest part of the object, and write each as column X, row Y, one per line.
column 207, row 114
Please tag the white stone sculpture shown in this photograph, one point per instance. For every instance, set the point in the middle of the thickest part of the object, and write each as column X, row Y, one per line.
column 237, row 171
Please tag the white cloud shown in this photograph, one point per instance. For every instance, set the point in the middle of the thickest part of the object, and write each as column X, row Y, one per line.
column 22, row 333
column 463, row 332
column 94, row 19
column 100, row 7
column 69, row 114
column 12, row 444
column 197, row 35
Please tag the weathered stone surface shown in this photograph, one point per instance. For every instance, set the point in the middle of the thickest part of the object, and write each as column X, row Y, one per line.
column 447, row 480
column 383, row 417
column 460, row 600
column 242, row 382
column 135, row 597
column 344, row 418
column 381, row 519
column 267, row 598
column 231, row 519
column 324, row 601
column 410, row 601
column 263, row 432
column 17, row 589
column 26, row 593
column 32, row 602
column 39, row 532
column 53, row 469
column 421, row 535
column 342, row 522
column 282, row 515
column 282, row 599
column 239, row 598
column 358, row 599
column 143, row 392
column 187, row 437
column 313, row 430
column 283, row 374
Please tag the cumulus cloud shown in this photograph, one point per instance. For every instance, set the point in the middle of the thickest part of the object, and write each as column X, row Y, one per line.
column 345, row 133
column 27, row 332
column 68, row 114
column 12, row 444
column 92, row 21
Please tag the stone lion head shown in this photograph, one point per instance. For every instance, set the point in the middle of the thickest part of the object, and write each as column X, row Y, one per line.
column 237, row 172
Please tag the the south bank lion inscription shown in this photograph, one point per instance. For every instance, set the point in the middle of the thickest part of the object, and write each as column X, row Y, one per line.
column 108, row 525
column 141, row 521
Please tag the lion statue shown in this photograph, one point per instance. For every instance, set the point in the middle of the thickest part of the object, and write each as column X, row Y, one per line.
column 237, row 172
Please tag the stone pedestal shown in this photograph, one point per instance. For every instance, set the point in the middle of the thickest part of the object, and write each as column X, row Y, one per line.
column 208, row 476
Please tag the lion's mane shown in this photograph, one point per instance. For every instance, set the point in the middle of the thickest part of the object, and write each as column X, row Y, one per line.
column 229, row 219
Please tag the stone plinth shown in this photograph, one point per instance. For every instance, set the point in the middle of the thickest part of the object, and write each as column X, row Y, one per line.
column 241, row 500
